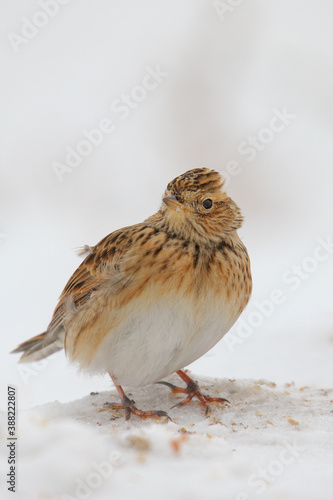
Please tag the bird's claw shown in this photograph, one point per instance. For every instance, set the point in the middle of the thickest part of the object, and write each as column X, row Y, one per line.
column 130, row 409
column 167, row 384
column 192, row 390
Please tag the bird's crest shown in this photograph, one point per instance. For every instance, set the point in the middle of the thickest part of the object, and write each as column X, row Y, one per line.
column 198, row 179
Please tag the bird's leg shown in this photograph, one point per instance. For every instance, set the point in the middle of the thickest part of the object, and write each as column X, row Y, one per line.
column 192, row 389
column 128, row 405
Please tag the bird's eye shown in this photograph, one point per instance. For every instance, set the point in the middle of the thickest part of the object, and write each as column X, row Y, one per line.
column 207, row 204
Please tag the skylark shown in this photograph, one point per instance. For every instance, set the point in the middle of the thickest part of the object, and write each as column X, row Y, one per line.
column 151, row 298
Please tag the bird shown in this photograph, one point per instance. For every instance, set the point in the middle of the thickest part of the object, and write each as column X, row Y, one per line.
column 151, row 298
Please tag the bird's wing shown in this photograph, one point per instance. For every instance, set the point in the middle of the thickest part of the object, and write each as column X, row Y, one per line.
column 103, row 263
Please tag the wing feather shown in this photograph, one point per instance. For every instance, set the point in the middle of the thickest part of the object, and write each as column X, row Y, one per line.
column 103, row 263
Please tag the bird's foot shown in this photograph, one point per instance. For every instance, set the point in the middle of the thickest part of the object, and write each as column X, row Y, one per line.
column 192, row 390
column 130, row 409
column 128, row 405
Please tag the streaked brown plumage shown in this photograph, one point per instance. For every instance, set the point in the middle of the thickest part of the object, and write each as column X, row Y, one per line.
column 151, row 298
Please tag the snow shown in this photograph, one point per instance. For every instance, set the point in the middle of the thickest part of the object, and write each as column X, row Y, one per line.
column 271, row 442
column 228, row 77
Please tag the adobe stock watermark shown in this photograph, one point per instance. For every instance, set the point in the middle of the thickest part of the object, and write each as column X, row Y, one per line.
column 254, row 144
column 29, row 370
column 31, row 27
column 293, row 279
column 32, row 370
column 121, row 108
column 224, row 7
column 264, row 477
column 101, row 471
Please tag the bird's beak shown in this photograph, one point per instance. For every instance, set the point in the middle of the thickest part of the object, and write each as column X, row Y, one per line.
column 171, row 202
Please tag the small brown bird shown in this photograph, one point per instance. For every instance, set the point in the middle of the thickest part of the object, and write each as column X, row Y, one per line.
column 151, row 298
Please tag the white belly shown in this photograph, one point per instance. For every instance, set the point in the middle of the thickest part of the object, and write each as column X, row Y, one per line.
column 151, row 344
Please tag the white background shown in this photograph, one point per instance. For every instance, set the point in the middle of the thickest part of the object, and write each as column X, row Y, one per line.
column 227, row 73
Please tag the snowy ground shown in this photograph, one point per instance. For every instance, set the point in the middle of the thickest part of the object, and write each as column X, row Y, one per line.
column 272, row 442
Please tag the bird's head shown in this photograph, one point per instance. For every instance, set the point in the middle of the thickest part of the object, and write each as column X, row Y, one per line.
column 195, row 206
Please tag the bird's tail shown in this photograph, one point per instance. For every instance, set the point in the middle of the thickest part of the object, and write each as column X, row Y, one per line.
column 41, row 346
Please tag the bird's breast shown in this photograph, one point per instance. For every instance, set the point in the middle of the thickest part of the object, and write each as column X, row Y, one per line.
column 164, row 320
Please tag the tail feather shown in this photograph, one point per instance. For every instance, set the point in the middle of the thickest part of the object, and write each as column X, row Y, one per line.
column 41, row 346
